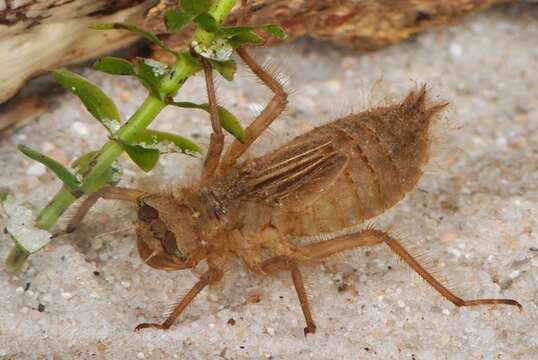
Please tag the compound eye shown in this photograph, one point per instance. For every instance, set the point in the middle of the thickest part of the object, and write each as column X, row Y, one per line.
column 159, row 230
column 146, row 213
column 170, row 246
column 169, row 243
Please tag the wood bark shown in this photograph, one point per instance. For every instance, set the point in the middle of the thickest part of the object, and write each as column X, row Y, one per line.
column 360, row 24
column 39, row 35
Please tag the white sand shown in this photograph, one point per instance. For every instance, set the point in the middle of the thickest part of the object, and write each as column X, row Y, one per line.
column 475, row 213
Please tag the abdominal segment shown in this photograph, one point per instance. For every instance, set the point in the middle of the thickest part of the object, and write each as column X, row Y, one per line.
column 346, row 171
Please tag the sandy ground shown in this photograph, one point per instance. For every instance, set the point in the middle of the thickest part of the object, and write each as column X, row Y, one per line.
column 474, row 213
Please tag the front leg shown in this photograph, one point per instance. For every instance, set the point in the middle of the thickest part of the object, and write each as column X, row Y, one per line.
column 273, row 109
column 107, row 192
column 280, row 263
column 209, row 277
column 216, row 142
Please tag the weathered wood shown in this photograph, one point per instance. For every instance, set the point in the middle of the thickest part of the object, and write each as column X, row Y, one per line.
column 362, row 24
column 18, row 112
column 39, row 35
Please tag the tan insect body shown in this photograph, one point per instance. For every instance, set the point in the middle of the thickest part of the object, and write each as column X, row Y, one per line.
column 331, row 178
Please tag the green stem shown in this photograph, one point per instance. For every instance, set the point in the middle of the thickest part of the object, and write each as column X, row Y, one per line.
column 145, row 114
column 50, row 214
column 16, row 258
column 149, row 109
column 220, row 11
column 140, row 120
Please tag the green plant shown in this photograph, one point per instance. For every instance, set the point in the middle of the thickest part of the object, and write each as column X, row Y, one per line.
column 91, row 171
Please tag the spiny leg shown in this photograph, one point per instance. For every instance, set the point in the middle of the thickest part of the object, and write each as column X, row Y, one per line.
column 108, row 192
column 273, row 109
column 285, row 263
column 242, row 12
column 207, row 278
column 82, row 210
column 216, row 142
column 372, row 237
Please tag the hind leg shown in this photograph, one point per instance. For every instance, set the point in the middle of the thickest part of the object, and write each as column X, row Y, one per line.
column 372, row 237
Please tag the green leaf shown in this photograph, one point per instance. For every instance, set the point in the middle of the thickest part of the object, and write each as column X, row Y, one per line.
column 207, row 22
column 145, row 147
column 190, row 60
column 16, row 258
column 58, row 169
column 228, row 120
column 176, row 20
column 95, row 101
column 274, row 30
column 238, row 35
column 195, row 7
column 85, row 163
column 165, row 142
column 246, row 37
column 114, row 66
column 136, row 30
column 150, row 72
column 226, row 68
column 229, row 31
column 146, row 159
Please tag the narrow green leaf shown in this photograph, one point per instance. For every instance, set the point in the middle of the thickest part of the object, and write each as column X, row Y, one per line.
column 195, row 7
column 246, row 37
column 165, row 142
column 58, row 169
column 136, row 30
column 228, row 120
column 207, row 22
column 150, row 72
column 146, row 159
column 114, row 66
column 274, row 30
column 176, row 20
column 190, row 60
column 226, row 68
column 229, row 31
column 95, row 100
column 187, row 105
column 16, row 258
column 85, row 163
column 246, row 34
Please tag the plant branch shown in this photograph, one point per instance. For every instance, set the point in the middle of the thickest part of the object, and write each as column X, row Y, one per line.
column 220, row 11
column 111, row 150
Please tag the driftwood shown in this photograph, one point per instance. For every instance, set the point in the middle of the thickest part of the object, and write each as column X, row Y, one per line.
column 39, row 35
column 18, row 112
column 360, row 24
